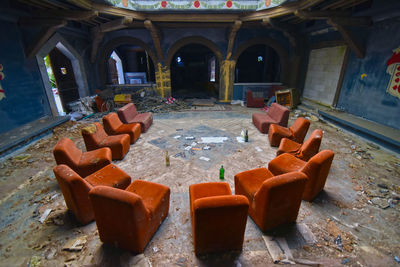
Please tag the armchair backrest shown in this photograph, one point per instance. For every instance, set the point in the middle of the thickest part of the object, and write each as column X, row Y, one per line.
column 93, row 135
column 249, row 95
column 279, row 113
column 317, row 170
column 133, row 218
column 111, row 122
column 279, row 198
column 127, row 112
column 299, row 129
column 66, row 152
column 75, row 191
column 311, row 146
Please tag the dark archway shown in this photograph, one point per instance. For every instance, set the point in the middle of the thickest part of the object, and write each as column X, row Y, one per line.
column 138, row 51
column 258, row 64
column 194, row 72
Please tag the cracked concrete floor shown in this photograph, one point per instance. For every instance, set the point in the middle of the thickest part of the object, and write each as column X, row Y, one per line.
column 359, row 202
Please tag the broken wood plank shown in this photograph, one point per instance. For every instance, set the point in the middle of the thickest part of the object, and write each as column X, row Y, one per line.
column 115, row 24
column 278, row 249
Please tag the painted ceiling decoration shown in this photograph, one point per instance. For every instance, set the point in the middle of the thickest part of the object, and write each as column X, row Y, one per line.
column 196, row 4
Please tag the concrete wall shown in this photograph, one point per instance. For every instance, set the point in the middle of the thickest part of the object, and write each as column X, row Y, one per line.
column 25, row 99
column 367, row 97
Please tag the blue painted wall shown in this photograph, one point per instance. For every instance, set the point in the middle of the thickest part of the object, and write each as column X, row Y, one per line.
column 367, row 97
column 25, row 99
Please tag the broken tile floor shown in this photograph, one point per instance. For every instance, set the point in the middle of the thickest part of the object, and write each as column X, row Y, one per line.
column 359, row 202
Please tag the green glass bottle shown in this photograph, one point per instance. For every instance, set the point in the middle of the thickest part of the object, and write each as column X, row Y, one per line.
column 246, row 136
column 221, row 172
column 166, row 159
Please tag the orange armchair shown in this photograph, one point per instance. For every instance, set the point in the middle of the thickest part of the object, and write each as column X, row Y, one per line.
column 95, row 137
column 296, row 132
column 129, row 114
column 254, row 102
column 114, row 126
column 276, row 114
column 129, row 218
column 316, row 169
column 274, row 200
column 84, row 163
column 75, row 189
column 302, row 151
column 218, row 217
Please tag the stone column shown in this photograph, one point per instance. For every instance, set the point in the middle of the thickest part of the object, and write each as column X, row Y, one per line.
column 226, row 80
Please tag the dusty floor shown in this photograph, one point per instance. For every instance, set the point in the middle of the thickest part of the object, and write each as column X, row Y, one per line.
column 359, row 203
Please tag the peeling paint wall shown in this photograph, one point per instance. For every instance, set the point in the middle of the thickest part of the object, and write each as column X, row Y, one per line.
column 365, row 95
column 25, row 99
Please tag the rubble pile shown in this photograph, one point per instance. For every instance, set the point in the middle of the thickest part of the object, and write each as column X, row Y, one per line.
column 157, row 104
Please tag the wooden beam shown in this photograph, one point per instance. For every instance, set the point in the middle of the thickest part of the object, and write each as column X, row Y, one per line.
column 348, row 37
column 354, row 21
column 97, row 36
column 33, row 47
column 115, row 25
column 156, row 35
column 193, row 17
column 286, row 29
column 321, row 14
column 231, row 37
column 85, row 4
column 110, row 10
column 44, row 22
column 67, row 14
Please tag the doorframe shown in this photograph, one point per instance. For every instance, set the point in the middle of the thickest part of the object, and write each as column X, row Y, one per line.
column 77, row 65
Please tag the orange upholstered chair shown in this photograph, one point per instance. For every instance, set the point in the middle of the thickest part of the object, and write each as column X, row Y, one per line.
column 75, row 189
column 129, row 114
column 274, row 200
column 95, row 137
column 218, row 217
column 316, row 169
column 276, row 114
column 296, row 132
column 129, row 218
column 254, row 102
column 114, row 126
column 84, row 163
column 302, row 151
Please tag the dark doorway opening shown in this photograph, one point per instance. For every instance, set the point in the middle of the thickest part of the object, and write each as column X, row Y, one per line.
column 64, row 79
column 194, row 72
column 258, row 64
column 130, row 64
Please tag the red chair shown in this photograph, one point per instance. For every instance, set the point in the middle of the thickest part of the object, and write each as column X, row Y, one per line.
column 296, row 132
column 274, row 200
column 75, row 189
column 276, row 114
column 129, row 218
column 95, row 137
column 114, row 126
column 83, row 163
column 129, row 114
column 254, row 102
column 218, row 217
column 302, row 151
column 316, row 169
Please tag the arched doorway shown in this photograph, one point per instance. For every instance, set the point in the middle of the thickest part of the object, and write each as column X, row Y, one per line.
column 129, row 64
column 194, row 72
column 258, row 64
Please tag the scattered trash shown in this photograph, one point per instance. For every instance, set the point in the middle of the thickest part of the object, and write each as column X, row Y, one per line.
column 181, row 262
column 278, row 249
column 380, row 202
column 177, row 136
column 204, row 158
column 308, row 262
column 192, row 152
column 189, row 137
column 76, row 244
column 34, row 262
column 237, row 102
column 345, row 261
column 155, row 249
column 258, row 149
column 196, row 148
column 51, row 254
column 44, row 215
column 240, row 139
column 397, row 259
column 206, row 140
column 22, row 157
column 188, row 148
column 194, row 144
column 170, row 100
column 206, row 148
column 338, row 242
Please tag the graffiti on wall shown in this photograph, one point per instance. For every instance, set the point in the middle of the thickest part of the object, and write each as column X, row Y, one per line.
column 393, row 69
column 2, row 92
column 195, row 4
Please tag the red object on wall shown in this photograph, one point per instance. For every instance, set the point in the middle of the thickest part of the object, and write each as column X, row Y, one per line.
column 196, row 4
column 164, row 4
column 228, row 4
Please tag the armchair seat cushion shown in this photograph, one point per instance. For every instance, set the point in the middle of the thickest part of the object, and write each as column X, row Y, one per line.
column 250, row 186
column 111, row 176
column 288, row 146
column 286, row 163
column 114, row 126
column 129, row 114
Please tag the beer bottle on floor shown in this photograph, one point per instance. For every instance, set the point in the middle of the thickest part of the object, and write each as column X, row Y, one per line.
column 246, row 136
column 166, row 159
column 221, row 172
